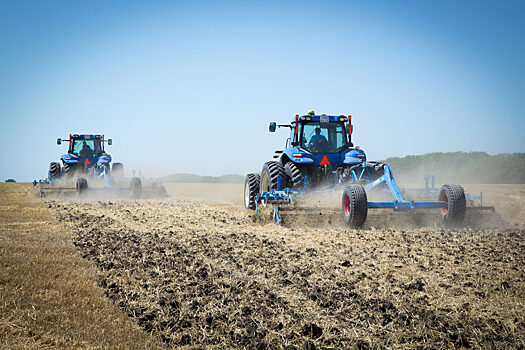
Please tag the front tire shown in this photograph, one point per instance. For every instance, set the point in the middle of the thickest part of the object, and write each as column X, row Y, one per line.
column 270, row 174
column 251, row 189
column 354, row 205
column 454, row 213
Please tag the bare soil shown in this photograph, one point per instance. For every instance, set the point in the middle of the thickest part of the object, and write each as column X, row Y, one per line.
column 198, row 270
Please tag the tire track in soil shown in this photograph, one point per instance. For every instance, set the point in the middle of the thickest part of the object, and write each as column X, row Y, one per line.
column 204, row 276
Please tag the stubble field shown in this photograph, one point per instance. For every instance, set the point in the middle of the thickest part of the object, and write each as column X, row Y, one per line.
column 197, row 270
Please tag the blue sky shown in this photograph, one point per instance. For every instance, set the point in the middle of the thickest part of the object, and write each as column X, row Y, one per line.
column 191, row 86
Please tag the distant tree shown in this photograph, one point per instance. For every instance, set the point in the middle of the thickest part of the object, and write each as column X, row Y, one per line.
column 461, row 167
column 10, row 180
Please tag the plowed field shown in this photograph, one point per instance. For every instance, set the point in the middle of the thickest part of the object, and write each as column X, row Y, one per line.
column 198, row 270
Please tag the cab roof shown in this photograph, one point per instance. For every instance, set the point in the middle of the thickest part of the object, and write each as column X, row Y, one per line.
column 317, row 118
column 85, row 136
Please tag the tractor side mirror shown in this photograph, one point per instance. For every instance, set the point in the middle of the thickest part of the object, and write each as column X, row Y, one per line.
column 273, row 126
column 110, row 142
column 59, row 141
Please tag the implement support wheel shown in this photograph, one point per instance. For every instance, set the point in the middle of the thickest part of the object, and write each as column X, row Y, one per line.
column 454, row 213
column 355, row 205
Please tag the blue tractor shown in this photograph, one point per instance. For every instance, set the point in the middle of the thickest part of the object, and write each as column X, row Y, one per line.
column 319, row 150
column 319, row 155
column 85, row 156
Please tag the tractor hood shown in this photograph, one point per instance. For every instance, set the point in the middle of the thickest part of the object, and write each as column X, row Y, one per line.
column 89, row 161
column 350, row 156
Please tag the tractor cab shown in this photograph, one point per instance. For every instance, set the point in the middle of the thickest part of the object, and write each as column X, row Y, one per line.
column 321, row 140
column 321, row 134
column 86, row 147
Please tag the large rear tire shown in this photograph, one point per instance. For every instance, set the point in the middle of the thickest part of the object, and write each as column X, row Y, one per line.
column 270, row 174
column 295, row 175
column 251, row 189
column 136, row 187
column 118, row 170
column 70, row 169
column 355, row 205
column 54, row 170
column 454, row 213
column 81, row 187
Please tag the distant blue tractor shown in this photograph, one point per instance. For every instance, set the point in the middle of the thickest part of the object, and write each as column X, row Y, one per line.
column 319, row 156
column 87, row 159
column 85, row 156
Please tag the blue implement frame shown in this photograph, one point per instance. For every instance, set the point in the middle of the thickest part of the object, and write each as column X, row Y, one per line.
column 286, row 196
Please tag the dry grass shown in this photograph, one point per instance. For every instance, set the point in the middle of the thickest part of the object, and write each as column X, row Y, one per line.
column 48, row 293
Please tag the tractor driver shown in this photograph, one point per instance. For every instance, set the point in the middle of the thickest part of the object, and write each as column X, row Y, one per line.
column 317, row 139
column 86, row 150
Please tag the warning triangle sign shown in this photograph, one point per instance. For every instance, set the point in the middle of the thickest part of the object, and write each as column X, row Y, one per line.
column 86, row 162
column 325, row 160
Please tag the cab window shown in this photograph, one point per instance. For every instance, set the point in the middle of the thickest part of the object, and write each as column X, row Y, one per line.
column 323, row 137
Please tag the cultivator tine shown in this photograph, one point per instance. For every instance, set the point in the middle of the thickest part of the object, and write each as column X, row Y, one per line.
column 276, row 217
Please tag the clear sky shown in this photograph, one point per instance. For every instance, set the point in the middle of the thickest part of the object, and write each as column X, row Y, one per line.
column 190, row 86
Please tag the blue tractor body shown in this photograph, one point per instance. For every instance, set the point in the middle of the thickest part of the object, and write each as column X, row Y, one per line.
column 86, row 155
column 337, row 156
column 350, row 156
column 318, row 146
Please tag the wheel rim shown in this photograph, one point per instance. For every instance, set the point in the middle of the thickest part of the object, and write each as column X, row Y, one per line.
column 347, row 205
column 246, row 195
column 444, row 198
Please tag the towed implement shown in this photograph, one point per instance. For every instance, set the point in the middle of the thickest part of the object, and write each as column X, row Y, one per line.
column 86, row 167
column 320, row 157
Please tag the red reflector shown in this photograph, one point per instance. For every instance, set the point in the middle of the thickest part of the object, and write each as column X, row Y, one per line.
column 86, row 162
column 362, row 156
column 297, row 155
column 325, row 160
